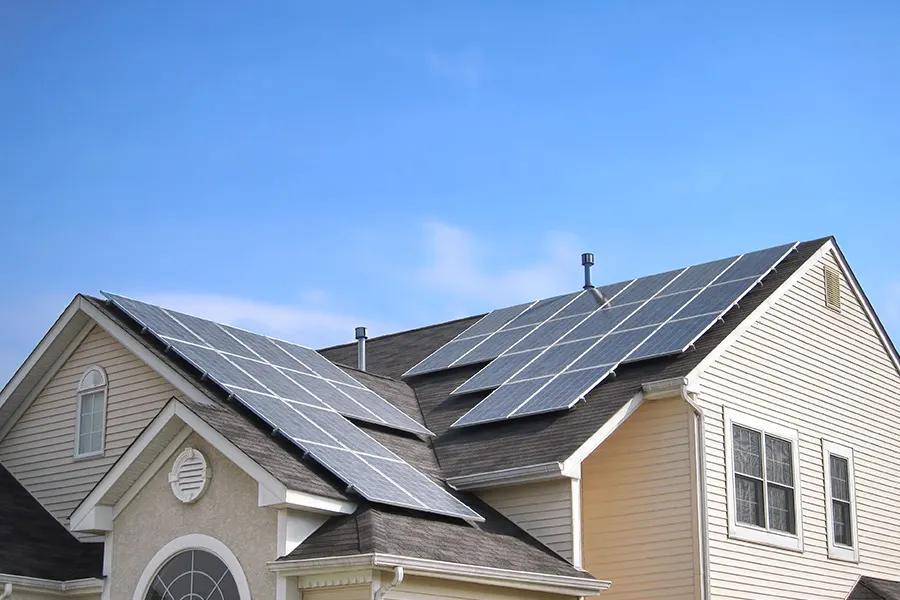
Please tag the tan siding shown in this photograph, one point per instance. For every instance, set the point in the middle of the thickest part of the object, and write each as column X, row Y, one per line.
column 638, row 519
column 40, row 447
column 543, row 509
column 349, row 592
column 827, row 375
column 421, row 588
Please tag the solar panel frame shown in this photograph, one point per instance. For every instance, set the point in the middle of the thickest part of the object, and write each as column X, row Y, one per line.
column 302, row 422
column 776, row 255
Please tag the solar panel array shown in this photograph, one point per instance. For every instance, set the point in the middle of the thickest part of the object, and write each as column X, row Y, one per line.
column 557, row 361
column 304, row 397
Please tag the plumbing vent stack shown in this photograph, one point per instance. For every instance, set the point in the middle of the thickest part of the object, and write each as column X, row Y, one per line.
column 587, row 260
column 361, row 348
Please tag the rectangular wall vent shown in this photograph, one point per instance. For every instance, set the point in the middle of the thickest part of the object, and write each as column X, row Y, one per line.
column 832, row 288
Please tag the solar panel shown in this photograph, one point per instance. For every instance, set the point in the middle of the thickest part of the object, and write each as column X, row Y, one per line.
column 303, row 397
column 649, row 317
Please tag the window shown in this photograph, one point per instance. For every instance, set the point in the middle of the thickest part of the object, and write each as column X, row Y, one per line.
column 763, row 482
column 193, row 574
column 193, row 567
column 90, row 413
column 840, row 502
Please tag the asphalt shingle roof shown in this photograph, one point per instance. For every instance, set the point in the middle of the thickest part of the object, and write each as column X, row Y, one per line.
column 496, row 543
column 34, row 544
column 870, row 588
column 452, row 452
column 542, row 438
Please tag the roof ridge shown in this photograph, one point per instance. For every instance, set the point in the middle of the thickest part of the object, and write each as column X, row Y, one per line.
column 404, row 332
column 370, row 373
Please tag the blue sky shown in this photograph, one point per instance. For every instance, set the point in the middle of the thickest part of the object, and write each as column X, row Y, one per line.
column 301, row 168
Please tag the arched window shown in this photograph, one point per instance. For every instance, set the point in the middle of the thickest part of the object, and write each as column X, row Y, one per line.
column 90, row 413
column 191, row 567
column 193, row 574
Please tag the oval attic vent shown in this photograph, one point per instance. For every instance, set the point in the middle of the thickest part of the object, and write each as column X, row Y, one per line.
column 189, row 476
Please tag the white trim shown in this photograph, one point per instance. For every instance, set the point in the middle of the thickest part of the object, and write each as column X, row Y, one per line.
column 39, row 350
column 80, row 393
column 108, row 541
column 577, row 555
column 51, row 587
column 273, row 491
column 839, row 551
column 193, row 541
column 759, row 311
column 161, row 459
column 554, row 584
column 750, row 533
column 865, row 304
column 603, row 433
column 46, row 378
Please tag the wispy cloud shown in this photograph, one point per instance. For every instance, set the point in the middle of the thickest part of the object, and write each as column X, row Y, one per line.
column 460, row 265
column 465, row 67
column 303, row 324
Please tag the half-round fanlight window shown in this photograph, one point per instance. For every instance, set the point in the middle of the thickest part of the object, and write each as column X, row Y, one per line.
column 193, row 575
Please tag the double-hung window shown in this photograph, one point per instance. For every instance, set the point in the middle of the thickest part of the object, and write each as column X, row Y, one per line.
column 763, row 481
column 840, row 502
column 90, row 413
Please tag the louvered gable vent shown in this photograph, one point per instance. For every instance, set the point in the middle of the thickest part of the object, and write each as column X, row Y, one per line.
column 189, row 476
column 832, row 288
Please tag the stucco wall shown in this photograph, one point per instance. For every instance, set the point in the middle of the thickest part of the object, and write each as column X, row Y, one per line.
column 228, row 511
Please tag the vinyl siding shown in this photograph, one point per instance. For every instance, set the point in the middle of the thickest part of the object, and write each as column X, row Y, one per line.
column 39, row 449
column 543, row 509
column 422, row 588
column 826, row 375
column 638, row 520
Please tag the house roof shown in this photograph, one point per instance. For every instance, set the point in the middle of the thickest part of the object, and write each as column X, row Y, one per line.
column 870, row 588
column 496, row 542
column 541, row 438
column 452, row 452
column 34, row 544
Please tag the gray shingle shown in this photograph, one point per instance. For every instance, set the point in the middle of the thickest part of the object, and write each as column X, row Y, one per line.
column 870, row 588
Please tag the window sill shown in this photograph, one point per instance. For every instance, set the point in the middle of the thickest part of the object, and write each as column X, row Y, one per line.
column 785, row 541
column 80, row 457
column 843, row 553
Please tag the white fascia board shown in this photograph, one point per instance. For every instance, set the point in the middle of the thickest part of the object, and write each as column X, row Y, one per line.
column 34, row 358
column 51, row 587
column 554, row 584
column 751, row 319
column 98, row 519
column 504, row 477
column 572, row 465
column 176, row 410
column 570, row 468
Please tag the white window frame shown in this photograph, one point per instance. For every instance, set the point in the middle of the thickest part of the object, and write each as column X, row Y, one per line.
column 192, row 541
column 840, row 551
column 753, row 533
column 83, row 391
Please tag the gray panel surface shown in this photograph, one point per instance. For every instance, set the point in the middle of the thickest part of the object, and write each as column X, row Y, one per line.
column 648, row 317
column 303, row 408
column 494, row 346
column 446, row 355
column 564, row 391
column 497, row 372
column 503, row 401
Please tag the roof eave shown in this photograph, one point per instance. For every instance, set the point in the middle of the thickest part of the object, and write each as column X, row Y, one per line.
column 541, row 582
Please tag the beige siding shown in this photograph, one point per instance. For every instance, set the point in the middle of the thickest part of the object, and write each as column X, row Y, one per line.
column 39, row 449
column 638, row 521
column 348, row 592
column 421, row 588
column 826, row 375
column 543, row 509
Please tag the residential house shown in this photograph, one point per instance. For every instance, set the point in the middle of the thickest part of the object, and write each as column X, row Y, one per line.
column 723, row 431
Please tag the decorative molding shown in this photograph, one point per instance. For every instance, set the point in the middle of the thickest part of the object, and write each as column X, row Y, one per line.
column 51, row 587
column 336, row 579
column 193, row 541
column 541, row 582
